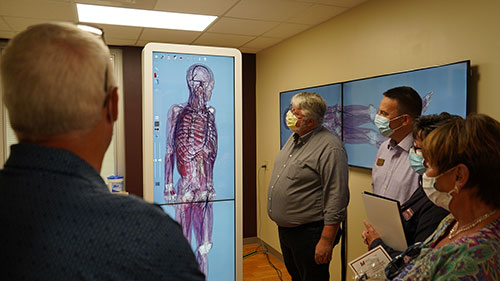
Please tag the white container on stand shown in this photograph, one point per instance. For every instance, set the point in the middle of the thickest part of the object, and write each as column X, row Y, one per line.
column 115, row 184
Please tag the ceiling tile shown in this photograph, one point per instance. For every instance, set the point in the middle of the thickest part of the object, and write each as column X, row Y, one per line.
column 204, row 7
column 262, row 42
column 240, row 21
column 316, row 14
column 168, row 36
column 3, row 25
column 141, row 43
column 43, row 9
column 120, row 42
column 6, row 34
column 338, row 3
column 248, row 50
column 217, row 39
column 121, row 32
column 275, row 10
column 134, row 4
column 241, row 26
column 20, row 24
column 285, row 30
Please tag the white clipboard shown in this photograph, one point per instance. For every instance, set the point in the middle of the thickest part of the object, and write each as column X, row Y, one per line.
column 384, row 215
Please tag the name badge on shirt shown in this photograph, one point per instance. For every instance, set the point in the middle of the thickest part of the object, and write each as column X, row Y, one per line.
column 380, row 162
column 407, row 214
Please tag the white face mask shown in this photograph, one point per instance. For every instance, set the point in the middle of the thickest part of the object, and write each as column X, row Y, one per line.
column 439, row 198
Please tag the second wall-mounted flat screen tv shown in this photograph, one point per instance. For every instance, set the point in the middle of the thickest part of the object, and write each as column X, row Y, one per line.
column 442, row 88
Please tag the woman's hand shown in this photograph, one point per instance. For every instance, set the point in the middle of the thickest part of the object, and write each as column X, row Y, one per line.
column 369, row 234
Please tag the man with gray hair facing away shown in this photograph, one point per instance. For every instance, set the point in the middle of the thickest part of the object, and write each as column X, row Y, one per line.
column 60, row 221
column 308, row 193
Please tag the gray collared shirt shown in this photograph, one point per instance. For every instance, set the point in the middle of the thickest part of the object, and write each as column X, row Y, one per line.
column 309, row 181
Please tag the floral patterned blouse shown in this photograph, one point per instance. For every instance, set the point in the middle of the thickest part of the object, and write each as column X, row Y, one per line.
column 472, row 257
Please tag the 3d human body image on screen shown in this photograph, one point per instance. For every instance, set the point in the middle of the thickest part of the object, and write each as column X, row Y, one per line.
column 192, row 143
column 191, row 173
column 358, row 122
column 355, row 116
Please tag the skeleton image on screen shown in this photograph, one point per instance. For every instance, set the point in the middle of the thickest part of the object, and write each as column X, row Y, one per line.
column 355, row 120
column 192, row 144
column 355, row 116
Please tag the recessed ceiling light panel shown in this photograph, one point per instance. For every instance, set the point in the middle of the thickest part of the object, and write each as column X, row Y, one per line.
column 142, row 18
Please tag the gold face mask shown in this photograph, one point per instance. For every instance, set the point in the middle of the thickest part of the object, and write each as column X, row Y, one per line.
column 291, row 121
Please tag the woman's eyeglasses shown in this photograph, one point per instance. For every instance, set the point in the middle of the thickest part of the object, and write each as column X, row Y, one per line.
column 415, row 148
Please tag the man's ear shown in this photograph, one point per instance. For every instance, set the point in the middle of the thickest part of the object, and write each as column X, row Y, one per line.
column 311, row 122
column 407, row 119
column 112, row 105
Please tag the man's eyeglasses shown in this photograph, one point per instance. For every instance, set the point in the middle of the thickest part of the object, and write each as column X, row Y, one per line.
column 99, row 33
column 399, row 262
column 299, row 117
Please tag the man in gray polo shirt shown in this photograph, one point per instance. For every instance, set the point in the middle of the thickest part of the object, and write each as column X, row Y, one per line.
column 308, row 193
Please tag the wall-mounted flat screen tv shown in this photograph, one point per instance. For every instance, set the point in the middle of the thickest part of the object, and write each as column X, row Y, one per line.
column 442, row 88
column 352, row 105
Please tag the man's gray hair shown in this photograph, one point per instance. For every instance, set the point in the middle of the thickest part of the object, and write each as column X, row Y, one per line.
column 53, row 78
column 311, row 104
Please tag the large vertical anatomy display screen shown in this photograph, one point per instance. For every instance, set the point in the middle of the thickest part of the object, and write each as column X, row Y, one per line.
column 194, row 153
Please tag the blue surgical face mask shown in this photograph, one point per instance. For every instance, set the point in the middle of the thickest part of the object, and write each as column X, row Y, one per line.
column 383, row 125
column 417, row 161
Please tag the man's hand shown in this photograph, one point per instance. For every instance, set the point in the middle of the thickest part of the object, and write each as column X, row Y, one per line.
column 369, row 234
column 324, row 250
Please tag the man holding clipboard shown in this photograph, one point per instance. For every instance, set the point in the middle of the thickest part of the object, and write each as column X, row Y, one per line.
column 419, row 216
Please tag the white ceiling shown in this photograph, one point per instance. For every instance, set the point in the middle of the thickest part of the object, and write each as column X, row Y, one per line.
column 249, row 25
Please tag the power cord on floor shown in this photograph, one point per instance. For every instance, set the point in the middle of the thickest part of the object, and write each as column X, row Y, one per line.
column 264, row 251
column 256, row 251
column 262, row 246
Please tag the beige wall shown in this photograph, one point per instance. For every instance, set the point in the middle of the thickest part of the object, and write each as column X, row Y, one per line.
column 378, row 37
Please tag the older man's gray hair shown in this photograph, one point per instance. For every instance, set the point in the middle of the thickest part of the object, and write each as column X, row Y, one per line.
column 54, row 78
column 311, row 104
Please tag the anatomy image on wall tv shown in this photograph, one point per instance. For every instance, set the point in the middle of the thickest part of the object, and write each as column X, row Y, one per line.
column 352, row 105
